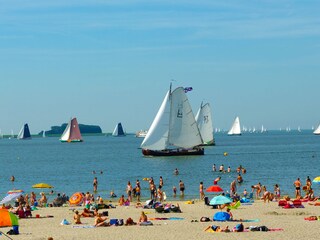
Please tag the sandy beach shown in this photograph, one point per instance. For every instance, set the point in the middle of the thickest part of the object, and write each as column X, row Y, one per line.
column 269, row 214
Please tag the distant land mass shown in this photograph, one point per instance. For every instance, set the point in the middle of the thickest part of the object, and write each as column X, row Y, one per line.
column 84, row 129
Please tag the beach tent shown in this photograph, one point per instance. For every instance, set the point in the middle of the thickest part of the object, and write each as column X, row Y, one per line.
column 221, row 216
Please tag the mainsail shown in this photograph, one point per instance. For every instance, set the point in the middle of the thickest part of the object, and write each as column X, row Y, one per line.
column 317, row 131
column 174, row 126
column 24, row 132
column 204, row 121
column 118, row 130
column 72, row 132
column 235, row 128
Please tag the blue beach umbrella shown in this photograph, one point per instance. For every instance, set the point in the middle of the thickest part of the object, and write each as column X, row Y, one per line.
column 219, row 200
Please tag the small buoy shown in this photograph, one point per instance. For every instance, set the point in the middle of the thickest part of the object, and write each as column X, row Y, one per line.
column 225, row 154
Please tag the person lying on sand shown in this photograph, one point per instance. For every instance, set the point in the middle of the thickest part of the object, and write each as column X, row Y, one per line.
column 101, row 221
column 217, row 228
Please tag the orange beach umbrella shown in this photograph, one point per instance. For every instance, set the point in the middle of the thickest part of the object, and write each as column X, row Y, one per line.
column 76, row 198
column 8, row 219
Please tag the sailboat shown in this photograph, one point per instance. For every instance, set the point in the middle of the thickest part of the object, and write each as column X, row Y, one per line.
column 235, row 128
column 44, row 133
column 317, row 131
column 24, row 133
column 118, row 131
column 174, row 131
column 72, row 132
column 204, row 121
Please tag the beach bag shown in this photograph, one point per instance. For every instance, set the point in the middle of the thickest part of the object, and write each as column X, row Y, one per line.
column 259, row 228
column 129, row 221
column 105, row 214
column 120, row 222
column 205, row 219
column 114, row 222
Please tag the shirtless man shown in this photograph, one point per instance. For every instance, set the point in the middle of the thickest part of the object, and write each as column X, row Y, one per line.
column 297, row 185
column 257, row 188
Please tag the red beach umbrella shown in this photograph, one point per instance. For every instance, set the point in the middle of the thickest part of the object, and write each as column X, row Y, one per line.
column 214, row 188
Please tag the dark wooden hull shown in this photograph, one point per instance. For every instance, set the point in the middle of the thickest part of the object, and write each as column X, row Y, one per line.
column 175, row 152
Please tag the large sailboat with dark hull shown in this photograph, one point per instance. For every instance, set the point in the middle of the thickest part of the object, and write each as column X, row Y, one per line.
column 174, row 131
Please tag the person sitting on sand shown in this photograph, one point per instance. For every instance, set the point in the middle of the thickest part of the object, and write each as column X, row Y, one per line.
column 43, row 200
column 230, row 213
column 27, row 211
column 101, row 221
column 121, row 200
column 143, row 218
column 87, row 213
column 76, row 217
column 266, row 194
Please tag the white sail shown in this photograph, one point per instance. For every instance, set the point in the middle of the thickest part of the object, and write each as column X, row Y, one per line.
column 157, row 136
column 115, row 131
column 183, row 129
column 66, row 133
column 204, row 121
column 21, row 133
column 317, row 131
column 44, row 133
column 235, row 129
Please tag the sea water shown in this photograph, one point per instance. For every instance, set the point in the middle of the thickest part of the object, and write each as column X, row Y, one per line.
column 270, row 158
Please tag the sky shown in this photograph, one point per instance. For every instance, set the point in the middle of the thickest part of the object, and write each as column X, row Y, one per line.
column 106, row 62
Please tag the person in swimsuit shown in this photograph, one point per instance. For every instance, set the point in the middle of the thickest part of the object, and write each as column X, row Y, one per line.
column 129, row 191
column 201, row 191
column 95, row 184
column 101, row 221
column 215, row 182
column 174, row 189
column 182, row 188
column 297, row 185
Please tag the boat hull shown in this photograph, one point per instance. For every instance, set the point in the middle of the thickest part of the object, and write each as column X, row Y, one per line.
column 72, row 141
column 175, row 152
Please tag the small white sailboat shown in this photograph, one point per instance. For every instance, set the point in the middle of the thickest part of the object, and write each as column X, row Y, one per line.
column 204, row 121
column 24, row 133
column 174, row 131
column 317, row 130
column 44, row 133
column 141, row 133
column 235, row 128
column 72, row 132
column 118, row 131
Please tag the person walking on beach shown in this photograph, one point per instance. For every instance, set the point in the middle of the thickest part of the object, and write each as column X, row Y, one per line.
column 297, row 185
column 129, row 191
column 182, row 188
column 308, row 184
column 201, row 191
column 95, row 184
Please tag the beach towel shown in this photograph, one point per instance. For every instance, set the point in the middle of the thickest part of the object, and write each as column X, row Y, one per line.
column 170, row 218
column 148, row 223
column 83, row 226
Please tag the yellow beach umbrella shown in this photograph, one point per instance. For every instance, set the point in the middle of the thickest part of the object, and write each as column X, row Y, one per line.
column 316, row 180
column 42, row 185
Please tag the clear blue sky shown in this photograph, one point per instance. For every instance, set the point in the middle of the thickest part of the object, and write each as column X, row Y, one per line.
column 112, row 61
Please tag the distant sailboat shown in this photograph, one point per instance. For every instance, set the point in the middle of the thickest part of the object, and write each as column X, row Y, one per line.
column 72, row 132
column 141, row 133
column 24, row 133
column 118, row 131
column 235, row 128
column 174, row 131
column 317, row 131
column 204, row 121
column 44, row 134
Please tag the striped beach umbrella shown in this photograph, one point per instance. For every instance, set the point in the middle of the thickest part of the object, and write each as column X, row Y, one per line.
column 8, row 219
column 10, row 197
column 76, row 198
column 316, row 180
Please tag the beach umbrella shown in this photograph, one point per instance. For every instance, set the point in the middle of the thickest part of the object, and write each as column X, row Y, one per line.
column 15, row 191
column 10, row 197
column 8, row 219
column 218, row 200
column 76, row 198
column 42, row 185
column 214, row 188
column 316, row 180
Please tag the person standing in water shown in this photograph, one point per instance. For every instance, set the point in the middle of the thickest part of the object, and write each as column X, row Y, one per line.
column 95, row 184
